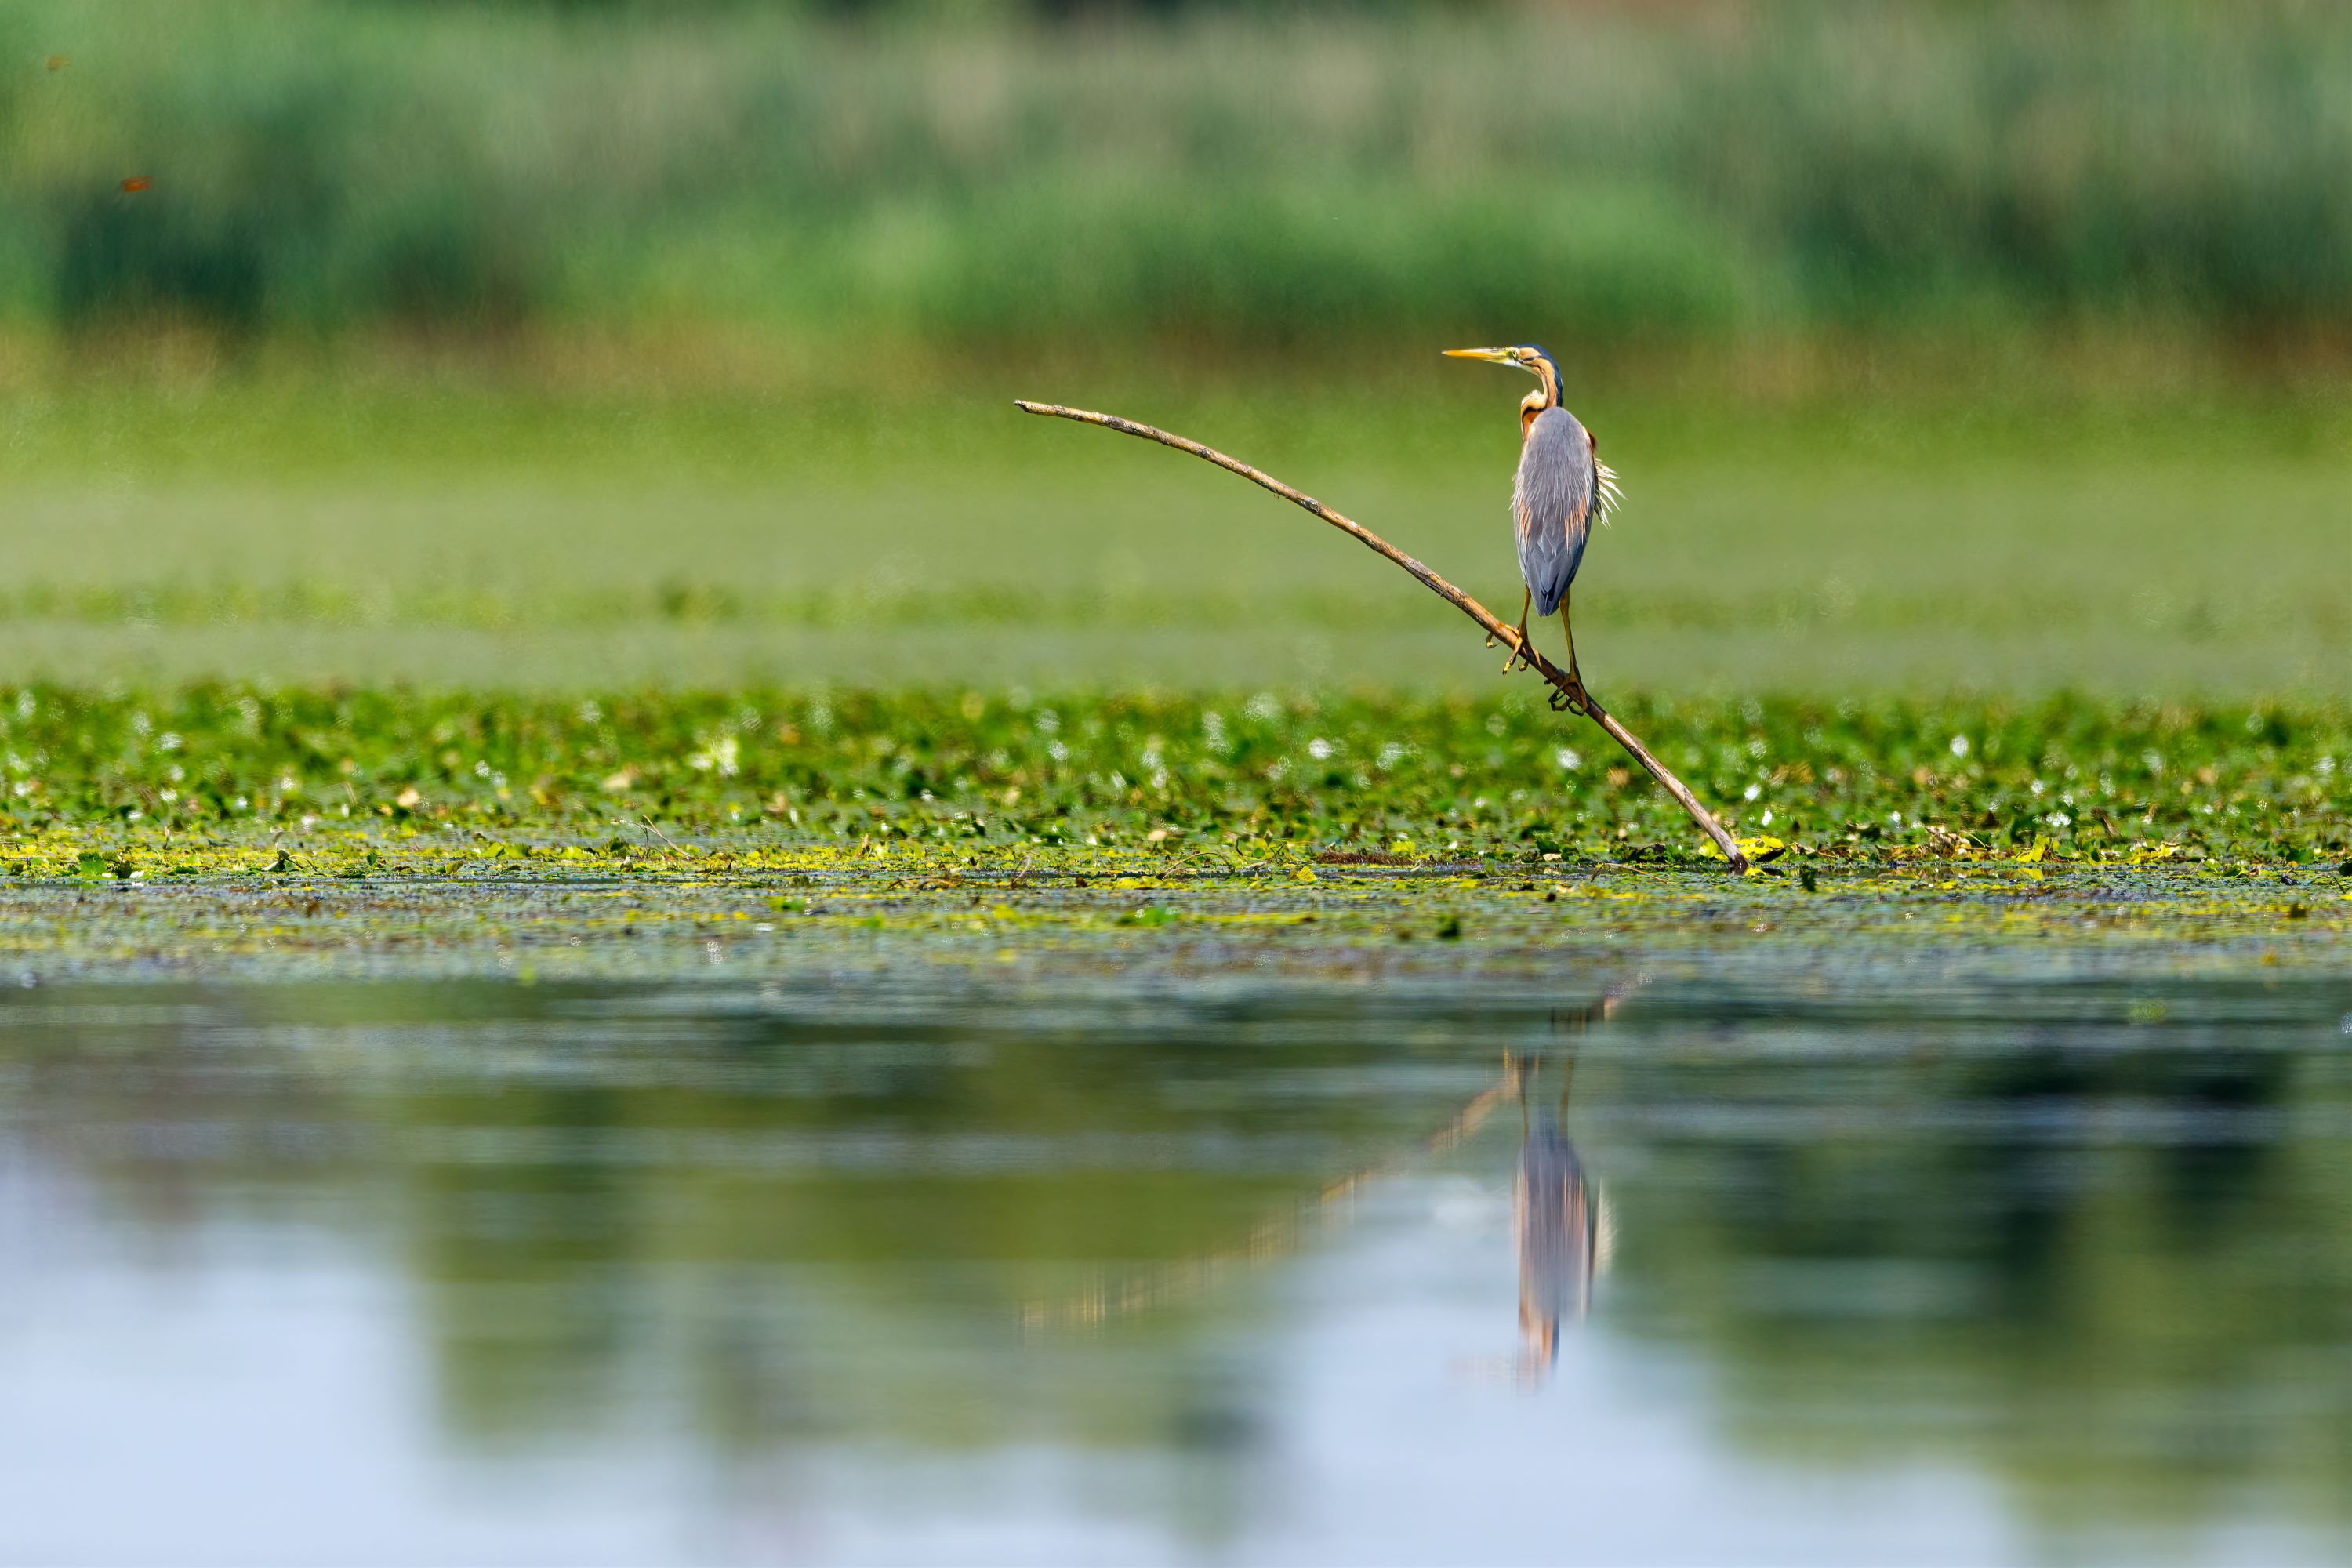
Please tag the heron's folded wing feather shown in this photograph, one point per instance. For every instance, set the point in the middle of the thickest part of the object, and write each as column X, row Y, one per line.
column 1551, row 504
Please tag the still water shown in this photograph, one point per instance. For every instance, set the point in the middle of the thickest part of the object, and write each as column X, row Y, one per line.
column 413, row 1274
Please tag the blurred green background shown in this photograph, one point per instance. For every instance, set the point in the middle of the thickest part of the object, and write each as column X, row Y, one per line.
column 1995, row 347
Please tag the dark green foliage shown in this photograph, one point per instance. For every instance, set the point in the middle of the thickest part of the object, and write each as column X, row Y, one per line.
column 1627, row 173
column 125, row 258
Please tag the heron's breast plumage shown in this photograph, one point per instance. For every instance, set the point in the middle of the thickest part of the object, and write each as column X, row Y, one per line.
column 1551, row 504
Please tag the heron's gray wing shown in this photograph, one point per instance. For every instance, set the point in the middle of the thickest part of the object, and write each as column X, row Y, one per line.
column 1552, row 505
column 1552, row 1213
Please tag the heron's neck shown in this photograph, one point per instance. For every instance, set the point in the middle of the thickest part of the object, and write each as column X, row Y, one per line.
column 1548, row 395
column 1535, row 403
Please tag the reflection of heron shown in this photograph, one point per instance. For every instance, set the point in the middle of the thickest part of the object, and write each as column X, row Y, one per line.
column 1557, row 1219
column 1544, row 1149
column 1562, row 485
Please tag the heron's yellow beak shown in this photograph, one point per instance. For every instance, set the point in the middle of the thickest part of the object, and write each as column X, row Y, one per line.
column 1498, row 356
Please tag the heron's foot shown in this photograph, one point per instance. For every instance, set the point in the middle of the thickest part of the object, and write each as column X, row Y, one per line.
column 1518, row 658
column 1571, row 697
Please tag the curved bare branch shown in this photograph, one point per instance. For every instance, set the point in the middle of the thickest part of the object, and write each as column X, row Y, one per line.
column 1575, row 695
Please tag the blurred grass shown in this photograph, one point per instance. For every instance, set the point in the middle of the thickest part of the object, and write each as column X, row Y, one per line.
column 1941, row 348
column 1588, row 173
column 303, row 528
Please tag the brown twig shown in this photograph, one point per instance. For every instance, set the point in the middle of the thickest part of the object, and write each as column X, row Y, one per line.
column 1577, row 698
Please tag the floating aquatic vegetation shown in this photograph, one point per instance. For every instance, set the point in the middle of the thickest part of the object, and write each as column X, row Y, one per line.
column 216, row 827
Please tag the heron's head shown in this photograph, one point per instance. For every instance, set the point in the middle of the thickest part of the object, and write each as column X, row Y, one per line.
column 1535, row 361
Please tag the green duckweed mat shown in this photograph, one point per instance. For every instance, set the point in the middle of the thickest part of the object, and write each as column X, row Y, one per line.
column 1143, row 838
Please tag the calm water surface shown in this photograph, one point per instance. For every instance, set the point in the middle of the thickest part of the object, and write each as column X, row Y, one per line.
column 394, row 1274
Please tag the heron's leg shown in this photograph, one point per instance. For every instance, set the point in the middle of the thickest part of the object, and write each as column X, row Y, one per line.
column 1575, row 696
column 1519, row 652
column 1569, row 632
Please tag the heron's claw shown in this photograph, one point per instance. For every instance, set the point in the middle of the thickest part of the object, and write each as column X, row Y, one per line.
column 1571, row 697
column 1518, row 658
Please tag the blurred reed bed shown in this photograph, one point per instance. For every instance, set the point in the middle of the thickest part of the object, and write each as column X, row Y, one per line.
column 1645, row 174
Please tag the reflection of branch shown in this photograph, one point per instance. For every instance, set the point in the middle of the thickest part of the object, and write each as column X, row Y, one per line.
column 1576, row 696
column 1282, row 1235
column 1278, row 1238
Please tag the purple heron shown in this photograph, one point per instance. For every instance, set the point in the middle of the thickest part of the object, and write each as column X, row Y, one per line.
column 1562, row 486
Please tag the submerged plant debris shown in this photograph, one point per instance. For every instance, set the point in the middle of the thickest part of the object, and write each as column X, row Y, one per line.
column 1342, row 835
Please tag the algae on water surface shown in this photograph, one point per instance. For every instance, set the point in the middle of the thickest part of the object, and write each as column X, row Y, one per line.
column 1325, row 838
